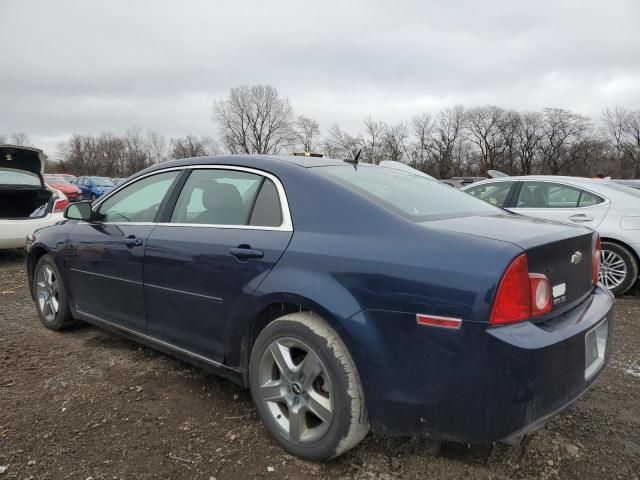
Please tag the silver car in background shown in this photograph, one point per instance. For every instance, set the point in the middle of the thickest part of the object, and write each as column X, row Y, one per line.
column 612, row 209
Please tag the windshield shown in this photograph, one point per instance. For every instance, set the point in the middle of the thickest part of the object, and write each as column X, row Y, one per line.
column 102, row 182
column 414, row 197
column 18, row 177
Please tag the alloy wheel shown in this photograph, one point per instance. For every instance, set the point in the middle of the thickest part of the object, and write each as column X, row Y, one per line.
column 613, row 269
column 47, row 293
column 295, row 386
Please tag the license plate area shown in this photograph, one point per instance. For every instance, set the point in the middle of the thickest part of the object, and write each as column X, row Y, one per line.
column 595, row 342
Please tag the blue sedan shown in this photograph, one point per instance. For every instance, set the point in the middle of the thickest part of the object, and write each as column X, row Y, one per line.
column 94, row 187
column 346, row 296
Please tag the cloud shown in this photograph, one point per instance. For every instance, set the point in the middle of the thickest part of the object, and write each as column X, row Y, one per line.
column 76, row 66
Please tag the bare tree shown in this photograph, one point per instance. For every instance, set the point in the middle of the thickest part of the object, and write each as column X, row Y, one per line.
column 307, row 132
column 422, row 127
column 339, row 144
column 21, row 138
column 192, row 146
column 484, row 125
column 396, row 138
column 631, row 144
column 562, row 129
column 373, row 140
column 528, row 133
column 254, row 120
column 448, row 145
column 614, row 122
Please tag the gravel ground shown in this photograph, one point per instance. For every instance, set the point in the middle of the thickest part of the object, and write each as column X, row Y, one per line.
column 87, row 404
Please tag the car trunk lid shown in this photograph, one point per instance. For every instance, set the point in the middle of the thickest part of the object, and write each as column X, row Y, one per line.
column 560, row 251
column 15, row 157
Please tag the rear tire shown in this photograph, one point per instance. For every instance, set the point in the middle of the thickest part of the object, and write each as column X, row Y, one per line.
column 616, row 259
column 306, row 388
column 50, row 295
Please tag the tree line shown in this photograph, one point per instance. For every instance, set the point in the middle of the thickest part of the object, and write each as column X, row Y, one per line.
column 454, row 141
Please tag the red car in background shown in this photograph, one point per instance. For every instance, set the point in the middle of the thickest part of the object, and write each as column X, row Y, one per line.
column 60, row 182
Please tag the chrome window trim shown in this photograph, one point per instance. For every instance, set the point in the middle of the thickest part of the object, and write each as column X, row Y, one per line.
column 285, row 226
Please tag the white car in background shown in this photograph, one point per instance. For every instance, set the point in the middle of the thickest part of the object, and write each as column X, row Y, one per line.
column 26, row 203
column 613, row 210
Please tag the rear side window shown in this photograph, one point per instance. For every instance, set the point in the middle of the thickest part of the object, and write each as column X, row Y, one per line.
column 413, row 196
column 266, row 211
column 494, row 193
column 588, row 199
column 217, row 197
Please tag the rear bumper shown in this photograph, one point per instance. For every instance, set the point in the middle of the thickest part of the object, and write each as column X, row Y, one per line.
column 476, row 384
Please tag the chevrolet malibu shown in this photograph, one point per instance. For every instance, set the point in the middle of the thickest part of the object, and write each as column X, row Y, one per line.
column 346, row 296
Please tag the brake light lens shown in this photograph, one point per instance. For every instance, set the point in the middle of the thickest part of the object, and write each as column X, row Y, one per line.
column 521, row 295
column 595, row 259
column 60, row 205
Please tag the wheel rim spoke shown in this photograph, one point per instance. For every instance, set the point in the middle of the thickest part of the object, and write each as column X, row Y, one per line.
column 282, row 356
column 320, row 406
column 297, row 424
column 310, row 369
column 272, row 391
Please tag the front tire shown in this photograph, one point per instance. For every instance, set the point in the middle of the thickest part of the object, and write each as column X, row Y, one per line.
column 618, row 268
column 51, row 295
column 306, row 388
column 93, row 197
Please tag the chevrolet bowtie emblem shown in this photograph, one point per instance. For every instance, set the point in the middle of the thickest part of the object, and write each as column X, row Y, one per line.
column 576, row 258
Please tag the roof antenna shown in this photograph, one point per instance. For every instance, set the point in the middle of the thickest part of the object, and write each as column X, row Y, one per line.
column 355, row 159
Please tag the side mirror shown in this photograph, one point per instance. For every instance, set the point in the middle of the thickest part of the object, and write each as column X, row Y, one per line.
column 79, row 211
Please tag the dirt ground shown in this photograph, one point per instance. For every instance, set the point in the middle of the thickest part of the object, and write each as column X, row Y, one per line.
column 87, row 404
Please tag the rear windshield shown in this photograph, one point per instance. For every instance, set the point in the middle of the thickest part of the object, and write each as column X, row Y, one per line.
column 413, row 196
column 18, row 177
column 56, row 179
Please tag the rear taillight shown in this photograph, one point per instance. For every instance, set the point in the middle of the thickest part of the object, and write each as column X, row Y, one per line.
column 595, row 259
column 521, row 294
column 60, row 205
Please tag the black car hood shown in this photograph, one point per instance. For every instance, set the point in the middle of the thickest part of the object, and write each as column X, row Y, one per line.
column 22, row 158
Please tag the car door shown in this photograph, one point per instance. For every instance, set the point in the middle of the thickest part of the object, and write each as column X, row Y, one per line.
column 226, row 230
column 104, row 258
column 560, row 202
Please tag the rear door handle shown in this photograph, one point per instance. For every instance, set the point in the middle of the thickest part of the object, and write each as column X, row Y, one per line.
column 245, row 252
column 580, row 217
column 132, row 241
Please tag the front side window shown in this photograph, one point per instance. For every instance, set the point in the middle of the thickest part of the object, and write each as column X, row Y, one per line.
column 494, row 193
column 412, row 196
column 139, row 202
column 217, row 197
column 102, row 182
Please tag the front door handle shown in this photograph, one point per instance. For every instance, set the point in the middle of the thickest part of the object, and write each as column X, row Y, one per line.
column 132, row 241
column 245, row 252
column 580, row 217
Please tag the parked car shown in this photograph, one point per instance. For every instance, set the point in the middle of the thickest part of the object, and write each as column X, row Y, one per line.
column 345, row 296
column 26, row 203
column 94, row 187
column 61, row 183
column 629, row 183
column 611, row 209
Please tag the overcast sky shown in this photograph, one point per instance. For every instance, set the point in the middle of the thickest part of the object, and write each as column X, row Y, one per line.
column 93, row 66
